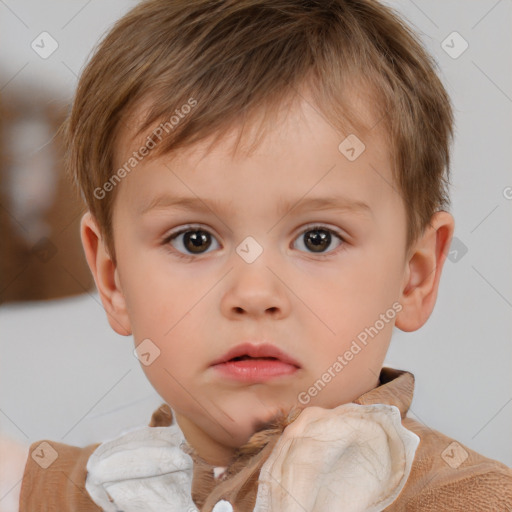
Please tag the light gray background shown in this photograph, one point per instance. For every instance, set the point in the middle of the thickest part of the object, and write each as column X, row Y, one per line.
column 66, row 376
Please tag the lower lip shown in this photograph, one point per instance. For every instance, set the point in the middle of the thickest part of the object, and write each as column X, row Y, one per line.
column 255, row 369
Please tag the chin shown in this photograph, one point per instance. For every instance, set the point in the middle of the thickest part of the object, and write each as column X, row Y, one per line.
column 254, row 422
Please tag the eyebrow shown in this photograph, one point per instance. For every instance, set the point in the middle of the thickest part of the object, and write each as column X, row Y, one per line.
column 335, row 203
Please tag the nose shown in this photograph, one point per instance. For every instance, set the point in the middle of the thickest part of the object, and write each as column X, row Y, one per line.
column 255, row 290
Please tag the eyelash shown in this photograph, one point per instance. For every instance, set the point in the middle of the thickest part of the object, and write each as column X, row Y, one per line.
column 167, row 240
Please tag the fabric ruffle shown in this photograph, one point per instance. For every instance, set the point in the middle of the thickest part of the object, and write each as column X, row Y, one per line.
column 144, row 470
column 351, row 458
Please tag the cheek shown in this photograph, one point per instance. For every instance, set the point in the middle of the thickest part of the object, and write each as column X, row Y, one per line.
column 167, row 382
column 167, row 364
column 154, row 300
column 355, row 299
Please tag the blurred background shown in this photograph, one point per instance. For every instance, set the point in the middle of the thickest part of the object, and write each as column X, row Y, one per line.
column 65, row 375
column 40, row 256
column 44, row 46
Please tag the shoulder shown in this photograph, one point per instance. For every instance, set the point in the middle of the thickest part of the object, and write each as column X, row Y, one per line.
column 488, row 490
column 54, row 478
column 55, row 473
column 447, row 475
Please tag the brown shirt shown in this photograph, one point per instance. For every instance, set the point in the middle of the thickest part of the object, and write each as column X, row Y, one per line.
column 445, row 475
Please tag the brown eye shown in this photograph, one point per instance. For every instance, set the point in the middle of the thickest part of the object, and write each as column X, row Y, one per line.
column 191, row 241
column 196, row 241
column 318, row 238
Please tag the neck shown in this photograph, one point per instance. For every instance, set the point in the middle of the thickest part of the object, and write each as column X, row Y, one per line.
column 211, row 451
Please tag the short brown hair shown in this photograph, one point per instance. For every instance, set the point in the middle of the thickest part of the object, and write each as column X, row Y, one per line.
column 239, row 57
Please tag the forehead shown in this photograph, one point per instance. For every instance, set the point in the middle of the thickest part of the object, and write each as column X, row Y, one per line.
column 298, row 167
column 296, row 156
column 357, row 111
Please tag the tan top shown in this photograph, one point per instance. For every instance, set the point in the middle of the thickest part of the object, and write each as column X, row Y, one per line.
column 445, row 475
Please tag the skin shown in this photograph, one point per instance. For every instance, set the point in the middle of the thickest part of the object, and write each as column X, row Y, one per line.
column 312, row 305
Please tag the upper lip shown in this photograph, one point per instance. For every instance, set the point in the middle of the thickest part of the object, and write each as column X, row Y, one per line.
column 260, row 350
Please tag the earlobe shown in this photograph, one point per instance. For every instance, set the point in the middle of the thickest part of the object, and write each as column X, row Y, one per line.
column 423, row 272
column 106, row 275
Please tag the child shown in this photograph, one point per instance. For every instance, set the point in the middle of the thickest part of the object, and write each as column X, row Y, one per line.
column 306, row 145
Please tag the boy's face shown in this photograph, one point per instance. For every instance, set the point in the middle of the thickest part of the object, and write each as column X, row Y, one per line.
column 326, row 275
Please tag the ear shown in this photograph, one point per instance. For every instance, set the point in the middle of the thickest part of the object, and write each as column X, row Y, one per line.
column 105, row 275
column 424, row 266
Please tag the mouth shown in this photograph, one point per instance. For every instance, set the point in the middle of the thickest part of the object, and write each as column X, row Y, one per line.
column 246, row 351
column 255, row 363
column 245, row 357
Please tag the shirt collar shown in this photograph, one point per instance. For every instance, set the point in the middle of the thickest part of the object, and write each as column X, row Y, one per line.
column 396, row 388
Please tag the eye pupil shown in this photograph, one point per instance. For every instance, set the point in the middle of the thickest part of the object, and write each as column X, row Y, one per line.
column 194, row 240
column 197, row 241
column 319, row 238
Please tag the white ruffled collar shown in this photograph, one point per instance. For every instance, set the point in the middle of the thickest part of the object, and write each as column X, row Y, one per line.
column 353, row 458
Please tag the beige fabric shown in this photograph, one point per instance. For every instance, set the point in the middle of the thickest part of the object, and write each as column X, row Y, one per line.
column 60, row 486
column 354, row 458
column 445, row 475
column 437, row 482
